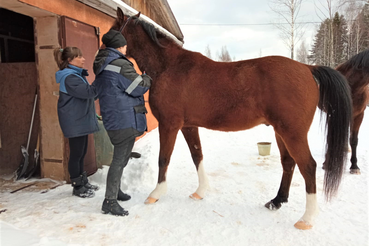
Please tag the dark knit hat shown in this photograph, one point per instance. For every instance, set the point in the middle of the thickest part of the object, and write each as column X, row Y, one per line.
column 114, row 39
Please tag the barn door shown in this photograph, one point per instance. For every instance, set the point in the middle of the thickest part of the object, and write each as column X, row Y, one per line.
column 85, row 37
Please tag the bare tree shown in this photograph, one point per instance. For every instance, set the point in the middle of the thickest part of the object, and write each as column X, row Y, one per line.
column 208, row 52
column 302, row 53
column 224, row 55
column 291, row 31
column 352, row 10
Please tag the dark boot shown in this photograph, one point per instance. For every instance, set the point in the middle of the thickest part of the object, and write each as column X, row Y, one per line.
column 111, row 206
column 87, row 184
column 123, row 196
column 135, row 155
column 80, row 190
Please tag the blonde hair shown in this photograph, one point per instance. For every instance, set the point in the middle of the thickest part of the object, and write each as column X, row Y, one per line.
column 63, row 56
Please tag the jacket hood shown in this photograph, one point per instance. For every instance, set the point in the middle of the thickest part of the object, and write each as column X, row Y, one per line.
column 105, row 57
column 62, row 74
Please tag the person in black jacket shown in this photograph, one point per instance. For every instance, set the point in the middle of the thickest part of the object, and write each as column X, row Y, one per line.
column 76, row 111
column 120, row 91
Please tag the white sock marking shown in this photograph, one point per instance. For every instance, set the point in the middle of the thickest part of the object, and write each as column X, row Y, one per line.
column 159, row 190
column 312, row 209
column 203, row 180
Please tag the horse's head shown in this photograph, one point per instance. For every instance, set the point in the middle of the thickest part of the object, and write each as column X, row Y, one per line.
column 123, row 20
column 138, row 33
column 142, row 39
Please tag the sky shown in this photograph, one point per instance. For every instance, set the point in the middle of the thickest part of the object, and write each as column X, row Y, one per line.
column 231, row 213
column 242, row 41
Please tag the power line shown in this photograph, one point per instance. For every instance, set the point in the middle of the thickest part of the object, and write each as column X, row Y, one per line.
column 245, row 24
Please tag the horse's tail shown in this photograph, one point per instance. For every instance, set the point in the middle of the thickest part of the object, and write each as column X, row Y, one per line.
column 335, row 100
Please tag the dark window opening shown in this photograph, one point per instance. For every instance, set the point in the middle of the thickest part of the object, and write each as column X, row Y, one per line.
column 16, row 37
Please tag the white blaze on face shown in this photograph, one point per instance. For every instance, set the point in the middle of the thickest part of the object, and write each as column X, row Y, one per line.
column 312, row 209
column 203, row 180
column 159, row 190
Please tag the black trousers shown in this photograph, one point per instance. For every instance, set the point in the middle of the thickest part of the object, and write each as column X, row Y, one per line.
column 123, row 141
column 78, row 149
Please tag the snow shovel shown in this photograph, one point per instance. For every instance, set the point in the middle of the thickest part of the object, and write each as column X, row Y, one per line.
column 36, row 156
column 24, row 164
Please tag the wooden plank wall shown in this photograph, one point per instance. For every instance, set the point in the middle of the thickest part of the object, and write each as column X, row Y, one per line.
column 18, row 83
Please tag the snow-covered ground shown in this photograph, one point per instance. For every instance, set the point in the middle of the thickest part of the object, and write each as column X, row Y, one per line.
column 232, row 213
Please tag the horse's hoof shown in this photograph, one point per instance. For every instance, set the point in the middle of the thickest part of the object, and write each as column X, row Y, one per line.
column 195, row 196
column 271, row 206
column 151, row 200
column 355, row 171
column 302, row 225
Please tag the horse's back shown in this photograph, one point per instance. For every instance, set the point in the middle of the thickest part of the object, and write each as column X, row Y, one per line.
column 237, row 95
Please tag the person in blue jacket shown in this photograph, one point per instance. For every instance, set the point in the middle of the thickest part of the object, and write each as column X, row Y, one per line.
column 120, row 91
column 76, row 111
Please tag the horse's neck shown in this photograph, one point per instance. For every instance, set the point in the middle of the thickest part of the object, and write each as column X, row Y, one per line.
column 153, row 60
column 357, row 79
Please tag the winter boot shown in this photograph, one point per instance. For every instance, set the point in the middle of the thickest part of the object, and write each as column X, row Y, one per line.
column 87, row 184
column 80, row 190
column 111, row 206
column 123, row 196
column 135, row 155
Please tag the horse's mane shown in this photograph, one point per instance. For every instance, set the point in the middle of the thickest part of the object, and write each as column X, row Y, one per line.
column 151, row 31
column 359, row 61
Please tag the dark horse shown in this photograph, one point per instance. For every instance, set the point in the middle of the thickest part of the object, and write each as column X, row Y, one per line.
column 356, row 71
column 191, row 91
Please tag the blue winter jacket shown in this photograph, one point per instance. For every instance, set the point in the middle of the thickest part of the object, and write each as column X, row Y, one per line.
column 76, row 107
column 120, row 91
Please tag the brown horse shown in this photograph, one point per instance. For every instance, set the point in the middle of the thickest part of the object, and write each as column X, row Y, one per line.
column 190, row 91
column 356, row 71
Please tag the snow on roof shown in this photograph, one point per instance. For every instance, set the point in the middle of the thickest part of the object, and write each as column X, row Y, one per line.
column 147, row 19
column 110, row 7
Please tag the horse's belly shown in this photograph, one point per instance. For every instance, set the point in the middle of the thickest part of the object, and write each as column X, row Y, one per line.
column 227, row 123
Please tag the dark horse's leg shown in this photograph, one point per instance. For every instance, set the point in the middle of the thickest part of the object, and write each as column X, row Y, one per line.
column 191, row 134
column 168, row 134
column 354, row 169
column 288, row 164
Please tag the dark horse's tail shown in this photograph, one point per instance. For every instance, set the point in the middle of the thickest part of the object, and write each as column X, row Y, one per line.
column 335, row 100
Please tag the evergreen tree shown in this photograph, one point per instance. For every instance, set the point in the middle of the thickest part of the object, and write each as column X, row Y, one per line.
column 320, row 52
column 340, row 39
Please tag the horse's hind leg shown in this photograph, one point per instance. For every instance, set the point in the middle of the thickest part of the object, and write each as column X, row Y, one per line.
column 191, row 134
column 288, row 164
column 297, row 145
column 354, row 169
column 167, row 135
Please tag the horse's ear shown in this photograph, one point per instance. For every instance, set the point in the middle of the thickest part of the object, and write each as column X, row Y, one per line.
column 138, row 15
column 120, row 15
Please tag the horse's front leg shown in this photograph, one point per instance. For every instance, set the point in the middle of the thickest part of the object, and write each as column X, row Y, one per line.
column 354, row 169
column 167, row 135
column 191, row 134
